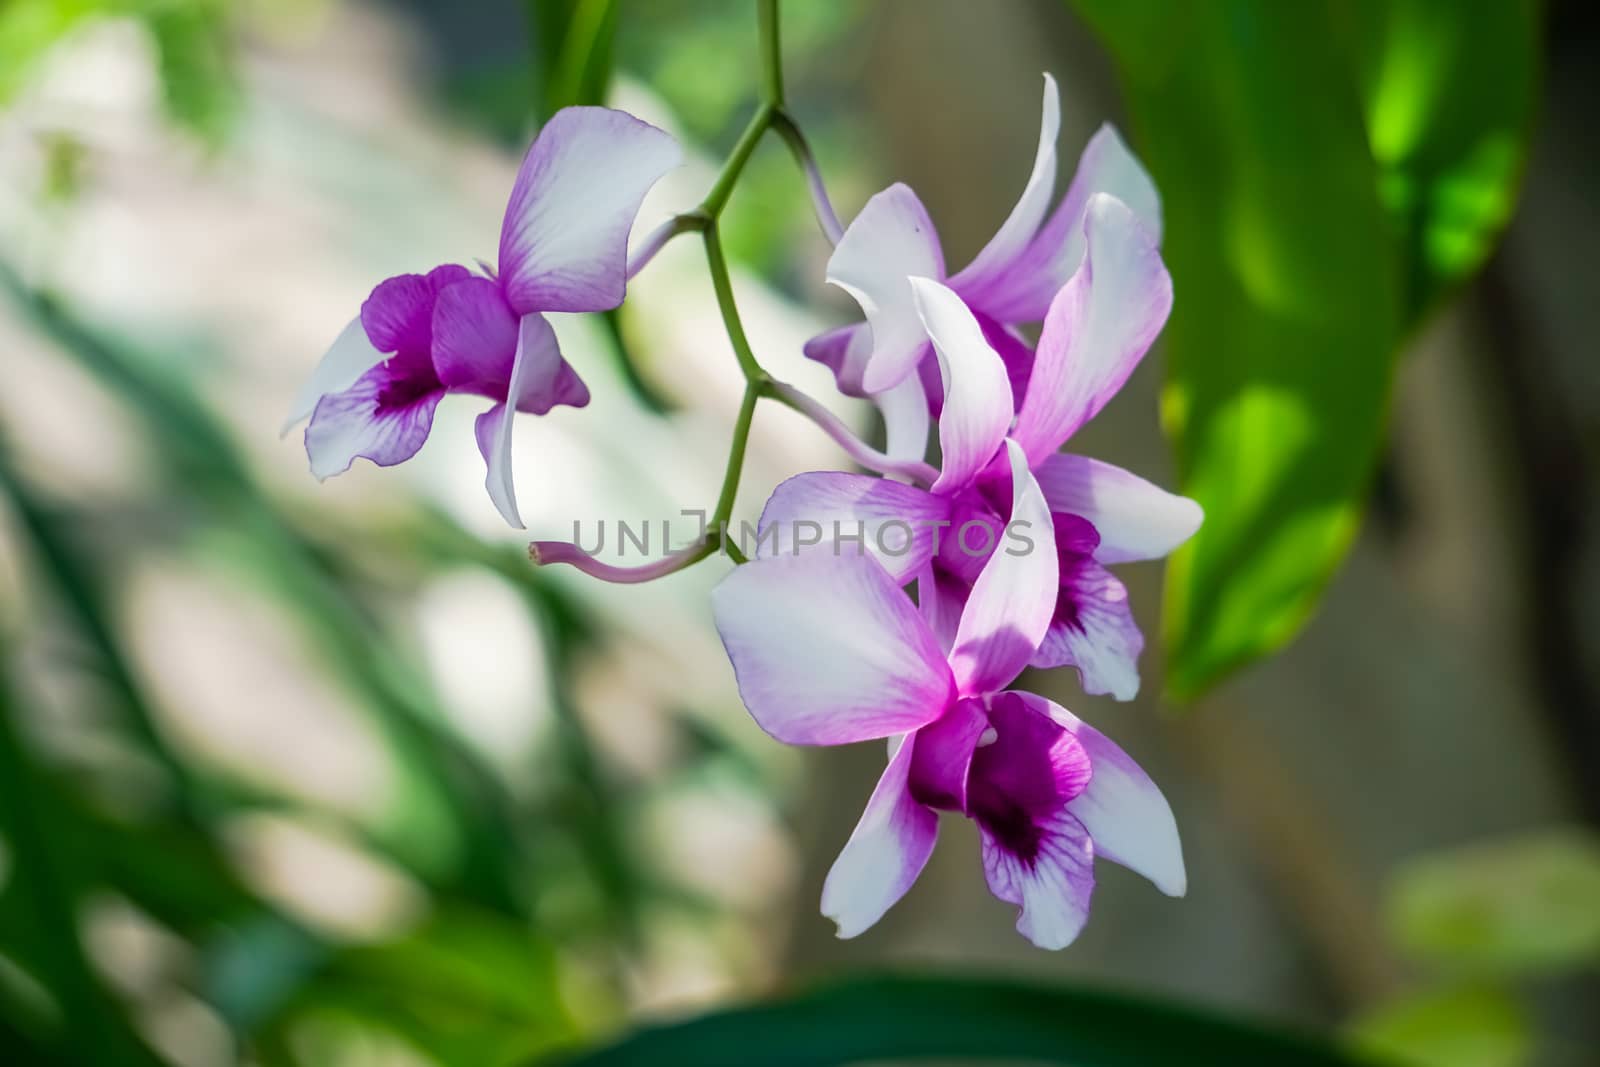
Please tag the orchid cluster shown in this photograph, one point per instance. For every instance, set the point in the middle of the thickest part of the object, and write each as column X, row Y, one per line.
column 858, row 637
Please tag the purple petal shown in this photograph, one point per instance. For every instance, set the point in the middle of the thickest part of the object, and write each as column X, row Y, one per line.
column 1000, row 255
column 890, row 241
column 890, row 846
column 1124, row 811
column 941, row 596
column 943, row 755
column 978, row 406
column 1098, row 328
column 474, row 338
column 828, row 651
column 351, row 356
column 896, row 521
column 1013, row 599
column 1093, row 630
column 1051, row 883
column 1013, row 352
column 383, row 417
column 1135, row 518
column 398, row 315
column 845, row 352
column 1023, row 292
column 564, row 243
column 536, row 379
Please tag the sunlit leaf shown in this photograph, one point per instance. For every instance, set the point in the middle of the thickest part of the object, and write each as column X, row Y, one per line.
column 1300, row 262
column 1448, row 91
column 895, row 1019
column 1526, row 905
column 1281, row 340
column 1454, row 1028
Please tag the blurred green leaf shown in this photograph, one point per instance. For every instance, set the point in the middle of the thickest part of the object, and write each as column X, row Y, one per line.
column 573, row 44
column 469, row 989
column 1281, row 340
column 1300, row 262
column 897, row 1018
column 198, row 83
column 1448, row 91
column 1524, row 906
column 1454, row 1028
column 193, row 44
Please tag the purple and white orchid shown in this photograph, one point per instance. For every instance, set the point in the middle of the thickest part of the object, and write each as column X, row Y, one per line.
column 829, row 650
column 563, row 247
column 1096, row 330
column 1011, row 281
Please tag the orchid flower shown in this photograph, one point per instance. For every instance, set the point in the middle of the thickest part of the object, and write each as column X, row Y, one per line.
column 1095, row 332
column 563, row 247
column 1011, row 281
column 829, row 650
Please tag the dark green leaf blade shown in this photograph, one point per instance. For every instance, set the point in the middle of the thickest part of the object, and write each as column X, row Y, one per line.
column 899, row 1018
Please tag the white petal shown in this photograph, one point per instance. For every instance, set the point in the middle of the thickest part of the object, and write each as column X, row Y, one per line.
column 1136, row 519
column 827, row 511
column 1014, row 598
column 351, row 356
column 1097, row 330
column 978, row 404
column 564, row 241
column 891, row 240
column 1124, row 811
column 828, row 651
column 1017, row 232
column 905, row 419
column 1053, row 887
column 890, row 846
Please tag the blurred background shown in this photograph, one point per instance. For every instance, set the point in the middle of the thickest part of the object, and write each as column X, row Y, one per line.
column 301, row 774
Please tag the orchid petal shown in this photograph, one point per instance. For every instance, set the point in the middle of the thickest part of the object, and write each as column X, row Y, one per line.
column 1124, row 811
column 828, row 651
column 399, row 312
column 351, row 356
column 891, row 240
column 885, row 854
column 380, row 417
column 895, row 521
column 1136, row 519
column 1098, row 328
column 844, row 351
column 1014, row 597
column 474, row 338
column 535, row 374
column 978, row 405
column 1023, row 292
column 943, row 755
column 941, row 596
column 1015, row 235
column 1093, row 630
column 905, row 420
column 1051, row 887
column 564, row 242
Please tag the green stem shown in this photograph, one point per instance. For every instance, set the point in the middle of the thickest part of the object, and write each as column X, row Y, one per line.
column 722, row 188
column 771, row 53
column 741, row 436
column 717, row 263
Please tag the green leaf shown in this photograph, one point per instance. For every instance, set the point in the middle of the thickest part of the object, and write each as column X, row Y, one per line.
column 898, row 1018
column 469, row 989
column 1281, row 338
column 1448, row 91
column 1300, row 262
column 1453, row 1028
column 1528, row 905
column 573, row 50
